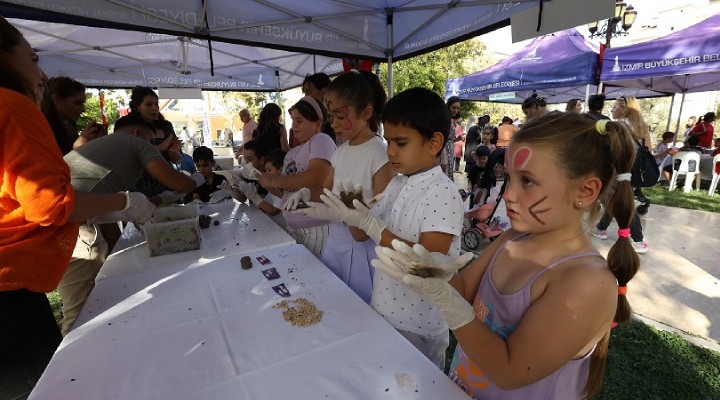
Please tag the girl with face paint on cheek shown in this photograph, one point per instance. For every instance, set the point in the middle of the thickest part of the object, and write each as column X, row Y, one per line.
column 541, row 292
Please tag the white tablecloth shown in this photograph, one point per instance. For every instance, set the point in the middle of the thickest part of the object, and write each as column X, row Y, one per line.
column 242, row 228
column 207, row 329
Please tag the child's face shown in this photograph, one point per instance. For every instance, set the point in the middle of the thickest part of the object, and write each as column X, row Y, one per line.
column 668, row 139
column 250, row 157
column 205, row 168
column 408, row 151
column 272, row 170
column 487, row 136
column 538, row 195
column 344, row 118
column 303, row 128
column 481, row 161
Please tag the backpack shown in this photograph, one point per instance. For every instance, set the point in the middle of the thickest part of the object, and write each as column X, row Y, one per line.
column 645, row 171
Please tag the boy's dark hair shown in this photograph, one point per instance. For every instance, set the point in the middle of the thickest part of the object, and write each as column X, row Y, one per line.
column 482, row 151
column 275, row 157
column 259, row 148
column 596, row 102
column 420, row 109
column 130, row 121
column 668, row 135
column 203, row 153
column 320, row 80
column 693, row 141
column 360, row 88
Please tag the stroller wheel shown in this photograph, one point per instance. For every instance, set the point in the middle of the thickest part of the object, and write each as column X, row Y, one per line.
column 472, row 239
column 643, row 209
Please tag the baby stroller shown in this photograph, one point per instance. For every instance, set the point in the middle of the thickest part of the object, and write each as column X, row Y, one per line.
column 480, row 220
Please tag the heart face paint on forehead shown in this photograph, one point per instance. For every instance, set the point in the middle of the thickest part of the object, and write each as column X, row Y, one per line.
column 521, row 158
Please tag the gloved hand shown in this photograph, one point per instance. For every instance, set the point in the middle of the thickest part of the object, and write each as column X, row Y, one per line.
column 454, row 309
column 171, row 196
column 223, row 192
column 198, row 178
column 250, row 191
column 319, row 211
column 137, row 207
column 419, row 261
column 248, row 171
column 360, row 217
column 294, row 200
column 402, row 261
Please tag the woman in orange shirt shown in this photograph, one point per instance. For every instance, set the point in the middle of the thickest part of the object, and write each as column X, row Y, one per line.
column 37, row 210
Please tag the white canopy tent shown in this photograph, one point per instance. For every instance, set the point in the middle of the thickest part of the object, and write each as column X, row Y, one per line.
column 378, row 30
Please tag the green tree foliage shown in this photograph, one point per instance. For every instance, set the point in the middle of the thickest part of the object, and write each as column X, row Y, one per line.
column 92, row 110
column 431, row 70
column 233, row 102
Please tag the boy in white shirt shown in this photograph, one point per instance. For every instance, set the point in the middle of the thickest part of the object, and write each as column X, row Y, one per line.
column 665, row 149
column 421, row 206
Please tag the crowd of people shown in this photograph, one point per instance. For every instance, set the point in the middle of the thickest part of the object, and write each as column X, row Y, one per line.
column 382, row 213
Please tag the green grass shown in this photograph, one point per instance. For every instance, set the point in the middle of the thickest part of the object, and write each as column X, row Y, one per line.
column 695, row 200
column 56, row 305
column 645, row 363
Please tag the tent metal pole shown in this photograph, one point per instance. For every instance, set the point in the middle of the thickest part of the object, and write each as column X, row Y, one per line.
column 389, row 51
column 587, row 96
column 677, row 126
column 672, row 102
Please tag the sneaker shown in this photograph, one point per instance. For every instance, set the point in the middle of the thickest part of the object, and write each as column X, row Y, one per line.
column 600, row 234
column 640, row 247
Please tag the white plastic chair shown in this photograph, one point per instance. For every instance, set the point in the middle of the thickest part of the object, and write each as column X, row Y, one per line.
column 689, row 166
column 715, row 174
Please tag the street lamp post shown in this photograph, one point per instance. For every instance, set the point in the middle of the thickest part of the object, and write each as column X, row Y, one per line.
column 618, row 25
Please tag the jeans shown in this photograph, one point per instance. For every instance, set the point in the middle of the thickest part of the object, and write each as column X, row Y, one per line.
column 29, row 337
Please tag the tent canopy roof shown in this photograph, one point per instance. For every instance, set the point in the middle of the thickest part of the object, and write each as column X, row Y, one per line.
column 558, row 67
column 684, row 61
column 101, row 57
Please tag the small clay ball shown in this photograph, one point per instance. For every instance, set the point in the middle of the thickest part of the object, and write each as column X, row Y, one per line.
column 245, row 262
column 204, row 221
column 216, row 223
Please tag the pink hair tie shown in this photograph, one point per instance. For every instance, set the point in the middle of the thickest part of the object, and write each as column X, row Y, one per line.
column 624, row 233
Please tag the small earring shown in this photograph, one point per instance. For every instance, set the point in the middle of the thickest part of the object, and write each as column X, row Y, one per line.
column 579, row 203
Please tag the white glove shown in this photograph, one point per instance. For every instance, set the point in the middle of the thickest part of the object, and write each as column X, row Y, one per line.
column 223, row 192
column 360, row 217
column 250, row 191
column 319, row 211
column 197, row 202
column 248, row 171
column 171, row 196
column 402, row 263
column 454, row 309
column 294, row 200
column 419, row 261
column 198, row 178
column 137, row 207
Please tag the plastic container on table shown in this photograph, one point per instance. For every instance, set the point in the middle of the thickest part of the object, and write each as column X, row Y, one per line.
column 173, row 230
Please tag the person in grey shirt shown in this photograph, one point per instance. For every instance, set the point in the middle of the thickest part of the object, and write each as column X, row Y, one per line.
column 111, row 164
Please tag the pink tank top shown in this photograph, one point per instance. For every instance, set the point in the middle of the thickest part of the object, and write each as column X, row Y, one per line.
column 502, row 313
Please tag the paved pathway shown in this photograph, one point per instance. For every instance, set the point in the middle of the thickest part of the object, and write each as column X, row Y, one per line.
column 678, row 285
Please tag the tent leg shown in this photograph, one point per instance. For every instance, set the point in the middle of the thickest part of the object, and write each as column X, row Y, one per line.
column 587, row 96
column 389, row 21
column 672, row 102
column 677, row 127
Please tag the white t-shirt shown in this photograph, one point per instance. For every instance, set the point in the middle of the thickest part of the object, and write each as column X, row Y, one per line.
column 297, row 160
column 358, row 164
column 424, row 202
